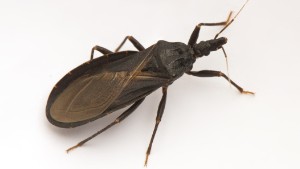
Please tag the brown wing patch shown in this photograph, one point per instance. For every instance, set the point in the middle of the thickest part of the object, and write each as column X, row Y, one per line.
column 92, row 88
column 88, row 96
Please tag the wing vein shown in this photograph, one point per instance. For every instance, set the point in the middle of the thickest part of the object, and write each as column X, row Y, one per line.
column 75, row 97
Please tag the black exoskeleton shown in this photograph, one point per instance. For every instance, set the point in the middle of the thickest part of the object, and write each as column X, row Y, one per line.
column 121, row 79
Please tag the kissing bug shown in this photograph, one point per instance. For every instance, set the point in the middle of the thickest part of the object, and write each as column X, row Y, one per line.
column 116, row 80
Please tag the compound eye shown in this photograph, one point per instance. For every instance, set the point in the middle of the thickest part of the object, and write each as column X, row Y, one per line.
column 178, row 63
column 207, row 52
column 179, row 51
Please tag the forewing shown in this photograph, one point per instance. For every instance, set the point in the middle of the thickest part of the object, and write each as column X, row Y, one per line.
column 93, row 87
column 88, row 96
column 142, row 85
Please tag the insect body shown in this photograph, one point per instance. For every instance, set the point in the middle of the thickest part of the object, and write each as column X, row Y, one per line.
column 120, row 79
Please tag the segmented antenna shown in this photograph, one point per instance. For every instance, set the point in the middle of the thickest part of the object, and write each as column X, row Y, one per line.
column 227, row 67
column 231, row 20
column 226, row 26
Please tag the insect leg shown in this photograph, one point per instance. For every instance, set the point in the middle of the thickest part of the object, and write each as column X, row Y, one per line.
column 100, row 49
column 117, row 120
column 136, row 43
column 160, row 112
column 230, row 22
column 212, row 73
column 195, row 34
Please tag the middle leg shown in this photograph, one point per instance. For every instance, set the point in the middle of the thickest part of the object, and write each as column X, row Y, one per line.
column 105, row 51
column 135, row 43
column 160, row 112
column 101, row 50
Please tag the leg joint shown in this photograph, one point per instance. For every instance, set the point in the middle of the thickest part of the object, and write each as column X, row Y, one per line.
column 221, row 73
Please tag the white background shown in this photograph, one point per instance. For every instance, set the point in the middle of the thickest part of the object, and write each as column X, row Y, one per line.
column 206, row 124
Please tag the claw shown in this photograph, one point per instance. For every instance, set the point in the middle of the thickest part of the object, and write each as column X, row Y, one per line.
column 248, row 92
column 229, row 18
column 72, row 148
column 146, row 160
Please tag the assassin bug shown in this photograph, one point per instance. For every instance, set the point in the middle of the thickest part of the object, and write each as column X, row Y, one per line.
column 116, row 80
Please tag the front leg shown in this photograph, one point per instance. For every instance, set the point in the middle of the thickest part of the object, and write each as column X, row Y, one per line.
column 212, row 73
column 195, row 34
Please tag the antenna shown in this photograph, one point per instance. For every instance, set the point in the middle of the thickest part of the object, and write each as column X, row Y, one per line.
column 231, row 20
column 227, row 67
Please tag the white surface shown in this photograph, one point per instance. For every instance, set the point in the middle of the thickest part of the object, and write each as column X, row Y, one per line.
column 206, row 123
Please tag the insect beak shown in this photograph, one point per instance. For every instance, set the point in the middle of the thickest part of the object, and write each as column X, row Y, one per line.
column 218, row 43
column 223, row 40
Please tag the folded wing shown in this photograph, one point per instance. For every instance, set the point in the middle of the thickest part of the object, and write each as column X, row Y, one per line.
column 88, row 96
